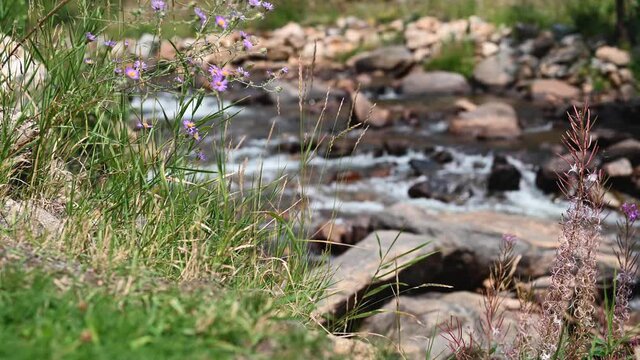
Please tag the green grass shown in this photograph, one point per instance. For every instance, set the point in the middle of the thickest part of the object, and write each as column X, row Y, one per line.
column 40, row 321
column 456, row 57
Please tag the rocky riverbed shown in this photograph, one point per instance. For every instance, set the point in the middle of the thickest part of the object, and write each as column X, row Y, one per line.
column 442, row 159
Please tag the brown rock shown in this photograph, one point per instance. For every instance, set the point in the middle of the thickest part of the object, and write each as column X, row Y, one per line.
column 619, row 168
column 435, row 83
column 551, row 90
column 167, row 51
column 613, row 55
column 490, row 121
column 367, row 112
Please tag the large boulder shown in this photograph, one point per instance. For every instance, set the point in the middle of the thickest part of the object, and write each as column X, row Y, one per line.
column 613, row 55
column 425, row 319
column 496, row 71
column 435, row 83
column 553, row 91
column 492, row 120
column 392, row 59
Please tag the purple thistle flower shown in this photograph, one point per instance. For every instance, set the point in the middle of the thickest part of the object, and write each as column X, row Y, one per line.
column 158, row 5
column 219, row 84
column 110, row 43
column 630, row 210
column 267, row 5
column 221, row 21
column 90, row 37
column 132, row 73
column 201, row 15
column 255, row 3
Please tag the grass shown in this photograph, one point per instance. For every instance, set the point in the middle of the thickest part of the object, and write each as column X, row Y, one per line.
column 40, row 320
column 137, row 208
column 458, row 57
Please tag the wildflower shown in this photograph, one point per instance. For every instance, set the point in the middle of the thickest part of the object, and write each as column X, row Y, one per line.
column 200, row 156
column 132, row 73
column 245, row 40
column 630, row 210
column 241, row 72
column 143, row 125
column 90, row 37
column 267, row 6
column 285, row 70
column 574, row 169
column 178, row 79
column 593, row 177
column 117, row 70
column 126, row 43
column 201, row 15
column 110, row 43
column 219, row 83
column 255, row 3
column 221, row 21
column 88, row 61
column 158, row 5
column 191, row 129
column 216, row 71
column 140, row 65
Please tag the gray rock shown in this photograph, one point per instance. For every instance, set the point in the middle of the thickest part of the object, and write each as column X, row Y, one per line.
column 435, row 83
column 146, row 47
column 24, row 213
column 394, row 59
column 496, row 71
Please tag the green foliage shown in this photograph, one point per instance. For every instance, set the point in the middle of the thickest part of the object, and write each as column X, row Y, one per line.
column 523, row 13
column 458, row 57
column 40, row 321
column 286, row 11
column 592, row 17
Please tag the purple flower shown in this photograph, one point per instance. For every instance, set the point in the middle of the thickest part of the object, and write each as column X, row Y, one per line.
column 219, row 83
column 110, row 43
column 126, row 43
column 200, row 155
column 132, row 73
column 143, row 125
column 158, row 5
column 201, row 15
column 255, row 3
column 88, row 61
column 247, row 44
column 90, row 37
column 241, row 72
column 630, row 210
column 178, row 79
column 267, row 5
column 191, row 129
column 117, row 70
column 221, row 21
column 285, row 70
column 140, row 65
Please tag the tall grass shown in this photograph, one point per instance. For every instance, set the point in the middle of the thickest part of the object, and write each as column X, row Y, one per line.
column 138, row 205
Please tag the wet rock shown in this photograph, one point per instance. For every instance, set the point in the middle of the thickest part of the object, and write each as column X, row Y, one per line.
column 542, row 44
column 504, row 176
column 442, row 157
column 613, row 55
column 434, row 83
column 492, row 120
column 393, row 59
column 619, row 168
column 549, row 173
column 629, row 148
column 553, row 91
column 367, row 112
column 441, row 189
column 496, row 71
column 423, row 167
column 417, row 323
column 397, row 146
